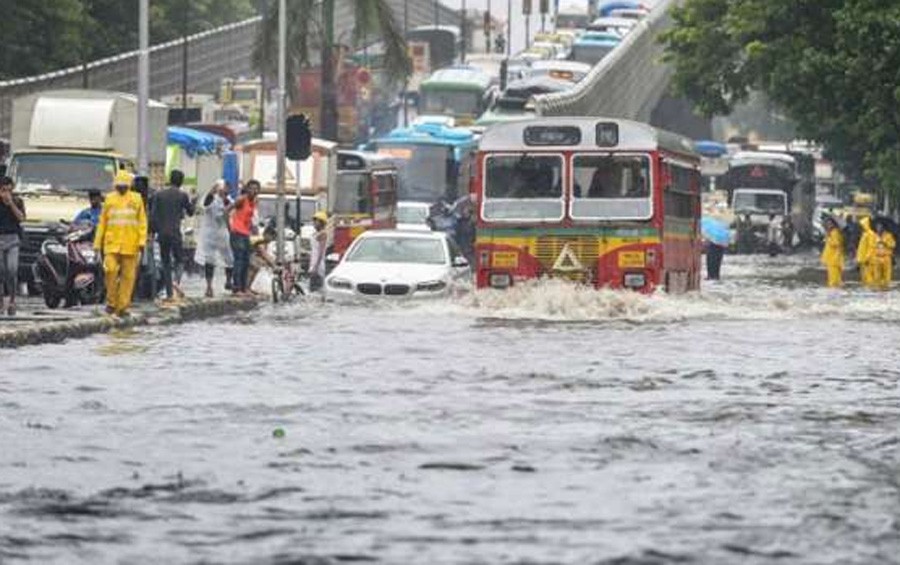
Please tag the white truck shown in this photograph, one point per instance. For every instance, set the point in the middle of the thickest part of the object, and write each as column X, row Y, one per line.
column 66, row 142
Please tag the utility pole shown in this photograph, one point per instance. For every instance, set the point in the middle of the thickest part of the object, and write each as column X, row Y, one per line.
column 406, row 81
column 509, row 13
column 184, row 60
column 488, row 24
column 282, row 129
column 143, row 86
column 464, row 28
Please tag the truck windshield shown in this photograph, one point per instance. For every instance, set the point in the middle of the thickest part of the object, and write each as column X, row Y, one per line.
column 427, row 172
column 523, row 187
column 747, row 202
column 452, row 102
column 352, row 195
column 62, row 172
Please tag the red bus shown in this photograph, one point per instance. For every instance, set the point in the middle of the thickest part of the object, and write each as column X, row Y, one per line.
column 605, row 202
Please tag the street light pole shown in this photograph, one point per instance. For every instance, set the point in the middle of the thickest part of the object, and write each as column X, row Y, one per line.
column 143, row 85
column 464, row 26
column 406, row 80
column 509, row 28
column 282, row 128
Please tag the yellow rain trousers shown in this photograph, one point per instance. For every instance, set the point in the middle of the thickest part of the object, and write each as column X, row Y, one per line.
column 833, row 258
column 882, row 261
column 121, row 274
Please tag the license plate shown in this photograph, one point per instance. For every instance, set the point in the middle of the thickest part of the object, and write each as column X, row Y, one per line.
column 631, row 259
column 505, row 260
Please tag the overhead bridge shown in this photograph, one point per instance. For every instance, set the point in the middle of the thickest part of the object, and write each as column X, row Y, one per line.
column 632, row 83
column 212, row 55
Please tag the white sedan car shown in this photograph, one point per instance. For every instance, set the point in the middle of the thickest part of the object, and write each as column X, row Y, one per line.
column 413, row 216
column 398, row 264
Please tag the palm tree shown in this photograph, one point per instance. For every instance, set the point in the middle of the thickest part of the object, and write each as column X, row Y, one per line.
column 311, row 27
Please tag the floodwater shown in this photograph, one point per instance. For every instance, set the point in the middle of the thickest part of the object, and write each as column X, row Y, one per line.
column 757, row 422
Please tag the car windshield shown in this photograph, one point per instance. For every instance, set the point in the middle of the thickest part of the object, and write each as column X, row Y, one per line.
column 453, row 102
column 412, row 214
column 61, row 172
column 426, row 172
column 524, row 187
column 759, row 203
column 398, row 250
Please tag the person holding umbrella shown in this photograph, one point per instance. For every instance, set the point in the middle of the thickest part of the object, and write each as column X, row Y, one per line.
column 718, row 238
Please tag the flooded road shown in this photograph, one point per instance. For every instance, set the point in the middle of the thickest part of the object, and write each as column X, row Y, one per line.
column 756, row 423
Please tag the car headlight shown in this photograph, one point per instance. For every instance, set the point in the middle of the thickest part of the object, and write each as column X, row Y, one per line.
column 431, row 286
column 340, row 284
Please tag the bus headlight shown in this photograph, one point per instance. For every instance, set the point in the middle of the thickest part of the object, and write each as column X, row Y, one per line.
column 634, row 280
column 500, row 280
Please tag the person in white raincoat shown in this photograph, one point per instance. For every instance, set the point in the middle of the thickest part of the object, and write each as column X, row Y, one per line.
column 213, row 245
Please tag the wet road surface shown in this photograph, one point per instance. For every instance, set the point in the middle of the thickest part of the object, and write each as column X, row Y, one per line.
column 758, row 422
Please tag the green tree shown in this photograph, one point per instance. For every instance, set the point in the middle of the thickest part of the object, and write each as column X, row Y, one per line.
column 39, row 36
column 833, row 66
column 311, row 27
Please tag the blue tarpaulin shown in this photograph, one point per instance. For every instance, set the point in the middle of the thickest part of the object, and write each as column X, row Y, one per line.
column 710, row 148
column 231, row 172
column 196, row 142
column 608, row 7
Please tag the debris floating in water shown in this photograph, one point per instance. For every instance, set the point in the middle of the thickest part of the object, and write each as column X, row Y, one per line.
column 278, row 433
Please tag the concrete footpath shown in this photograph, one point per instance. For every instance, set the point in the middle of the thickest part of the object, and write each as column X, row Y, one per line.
column 36, row 325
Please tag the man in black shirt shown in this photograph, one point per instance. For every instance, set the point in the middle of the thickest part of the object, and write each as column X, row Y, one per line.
column 168, row 208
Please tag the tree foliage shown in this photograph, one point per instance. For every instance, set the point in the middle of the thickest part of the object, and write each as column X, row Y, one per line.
column 833, row 66
column 43, row 36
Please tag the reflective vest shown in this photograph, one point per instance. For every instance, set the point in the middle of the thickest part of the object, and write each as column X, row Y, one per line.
column 123, row 224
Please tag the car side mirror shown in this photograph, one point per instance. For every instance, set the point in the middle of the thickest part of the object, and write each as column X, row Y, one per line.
column 460, row 262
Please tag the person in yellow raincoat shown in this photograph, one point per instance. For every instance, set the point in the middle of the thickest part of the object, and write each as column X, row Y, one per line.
column 865, row 253
column 882, row 257
column 121, row 236
column 833, row 254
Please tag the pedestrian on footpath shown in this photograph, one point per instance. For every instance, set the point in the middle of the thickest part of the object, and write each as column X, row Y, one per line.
column 121, row 236
column 241, row 229
column 168, row 209
column 214, row 245
column 833, row 254
column 12, row 214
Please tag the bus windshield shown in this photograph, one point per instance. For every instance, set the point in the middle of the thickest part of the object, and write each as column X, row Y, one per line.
column 751, row 202
column 523, row 187
column 455, row 102
column 611, row 186
column 352, row 194
column 63, row 172
column 427, row 172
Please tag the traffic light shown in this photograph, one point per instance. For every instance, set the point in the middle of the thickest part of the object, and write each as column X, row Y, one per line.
column 526, row 7
column 545, row 6
column 299, row 138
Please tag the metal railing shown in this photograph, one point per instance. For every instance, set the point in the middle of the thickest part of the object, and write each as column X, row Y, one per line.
column 212, row 55
column 628, row 83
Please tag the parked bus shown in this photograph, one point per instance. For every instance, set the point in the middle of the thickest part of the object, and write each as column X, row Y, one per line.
column 607, row 203
column 461, row 92
column 434, row 161
column 364, row 197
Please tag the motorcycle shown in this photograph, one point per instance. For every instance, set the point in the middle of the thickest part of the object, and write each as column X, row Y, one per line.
column 69, row 268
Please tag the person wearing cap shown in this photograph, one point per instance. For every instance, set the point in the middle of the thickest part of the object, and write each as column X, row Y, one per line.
column 91, row 214
column 121, row 236
column 833, row 254
column 318, row 250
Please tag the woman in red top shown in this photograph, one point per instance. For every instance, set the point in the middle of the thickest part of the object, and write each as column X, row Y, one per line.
column 241, row 225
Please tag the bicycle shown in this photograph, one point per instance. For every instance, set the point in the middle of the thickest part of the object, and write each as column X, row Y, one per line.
column 285, row 284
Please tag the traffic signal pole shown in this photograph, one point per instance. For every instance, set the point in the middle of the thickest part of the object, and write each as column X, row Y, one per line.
column 282, row 129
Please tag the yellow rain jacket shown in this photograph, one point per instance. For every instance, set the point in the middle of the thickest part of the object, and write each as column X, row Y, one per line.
column 833, row 257
column 833, row 253
column 865, row 253
column 882, row 262
column 123, row 224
